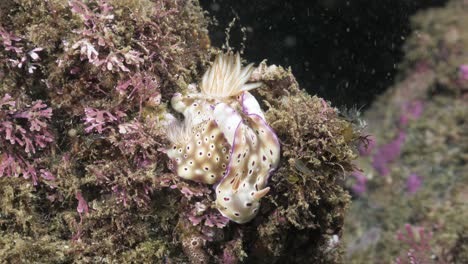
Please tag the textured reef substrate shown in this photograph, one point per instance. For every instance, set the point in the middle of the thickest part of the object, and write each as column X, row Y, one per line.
column 84, row 92
column 410, row 200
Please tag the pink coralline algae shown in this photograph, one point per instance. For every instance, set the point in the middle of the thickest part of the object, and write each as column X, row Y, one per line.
column 464, row 72
column 97, row 48
column 200, row 213
column 388, row 153
column 141, row 87
column 82, row 210
column 417, row 239
column 414, row 183
column 189, row 192
column 99, row 120
column 82, row 204
column 101, row 50
column 210, row 218
column 229, row 256
column 21, row 55
column 134, row 140
column 411, row 111
column 360, row 186
column 24, row 131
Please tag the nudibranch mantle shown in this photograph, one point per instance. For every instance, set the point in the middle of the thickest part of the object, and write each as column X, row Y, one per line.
column 225, row 139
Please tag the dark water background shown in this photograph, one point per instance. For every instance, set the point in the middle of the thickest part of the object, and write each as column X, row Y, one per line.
column 345, row 51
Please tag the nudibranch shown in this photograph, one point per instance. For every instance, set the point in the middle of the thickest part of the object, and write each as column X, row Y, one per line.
column 224, row 139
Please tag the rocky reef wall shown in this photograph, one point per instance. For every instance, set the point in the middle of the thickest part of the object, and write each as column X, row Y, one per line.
column 410, row 204
column 84, row 92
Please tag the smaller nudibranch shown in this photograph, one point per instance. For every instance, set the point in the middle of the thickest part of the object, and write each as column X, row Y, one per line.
column 225, row 139
column 199, row 153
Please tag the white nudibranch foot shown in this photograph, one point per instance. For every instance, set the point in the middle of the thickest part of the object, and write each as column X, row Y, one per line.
column 225, row 139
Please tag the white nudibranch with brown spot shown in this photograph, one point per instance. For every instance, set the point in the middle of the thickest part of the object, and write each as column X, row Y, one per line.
column 224, row 139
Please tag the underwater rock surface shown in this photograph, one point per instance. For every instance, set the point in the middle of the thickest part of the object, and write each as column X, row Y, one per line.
column 85, row 90
column 414, row 208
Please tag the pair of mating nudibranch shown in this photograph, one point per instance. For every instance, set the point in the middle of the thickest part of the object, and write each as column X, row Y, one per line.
column 225, row 140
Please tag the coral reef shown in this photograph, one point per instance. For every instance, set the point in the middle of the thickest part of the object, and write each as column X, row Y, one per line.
column 85, row 90
column 415, row 169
